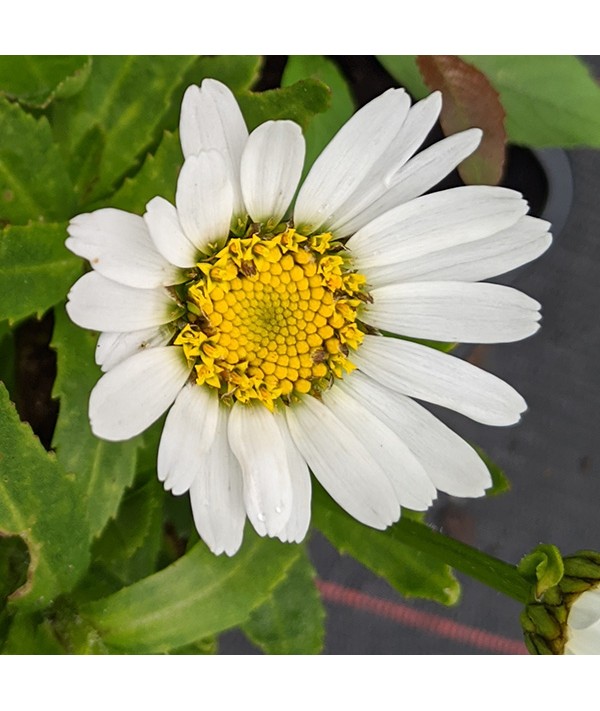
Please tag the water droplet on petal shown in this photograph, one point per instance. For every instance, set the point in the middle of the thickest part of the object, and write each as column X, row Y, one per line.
column 261, row 517
column 278, row 509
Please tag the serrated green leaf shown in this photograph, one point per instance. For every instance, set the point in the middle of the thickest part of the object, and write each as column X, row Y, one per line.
column 157, row 176
column 291, row 620
column 412, row 572
column 239, row 72
column 84, row 163
column 34, row 183
column 39, row 502
column 197, row 596
column 549, row 100
column 128, row 98
column 36, row 81
column 324, row 126
column 298, row 102
column 405, row 71
column 36, row 269
column 101, row 470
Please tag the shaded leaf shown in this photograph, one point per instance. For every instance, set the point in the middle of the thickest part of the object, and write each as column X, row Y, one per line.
column 101, row 470
column 325, row 125
column 405, row 71
column 197, row 596
column 30, row 633
column 38, row 80
column 298, row 102
column 157, row 176
column 128, row 98
column 469, row 101
column 83, row 167
column 36, row 269
column 34, row 183
column 412, row 572
column 209, row 645
column 291, row 620
column 130, row 543
column 39, row 502
column 500, row 482
column 549, row 100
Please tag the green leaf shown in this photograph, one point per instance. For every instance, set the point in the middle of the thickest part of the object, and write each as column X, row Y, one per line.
column 157, row 176
column 36, row 269
column 129, row 545
column 298, row 102
column 549, row 100
column 29, row 633
column 469, row 101
column 197, row 596
column 543, row 567
column 412, row 572
column 291, row 621
column 39, row 502
column 405, row 71
column 324, row 126
column 204, row 646
column 101, row 470
column 128, row 99
column 500, row 482
column 36, row 81
column 238, row 72
column 34, row 184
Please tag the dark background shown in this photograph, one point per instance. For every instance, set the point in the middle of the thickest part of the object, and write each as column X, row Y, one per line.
column 552, row 457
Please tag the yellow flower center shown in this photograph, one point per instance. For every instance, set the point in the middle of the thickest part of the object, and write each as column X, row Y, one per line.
column 273, row 317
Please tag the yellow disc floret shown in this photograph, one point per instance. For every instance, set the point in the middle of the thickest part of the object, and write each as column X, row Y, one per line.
column 272, row 317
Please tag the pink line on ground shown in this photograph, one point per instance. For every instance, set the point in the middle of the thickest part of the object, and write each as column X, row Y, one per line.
column 425, row 621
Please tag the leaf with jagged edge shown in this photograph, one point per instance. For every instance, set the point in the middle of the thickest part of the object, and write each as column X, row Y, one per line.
column 39, row 501
column 196, row 597
column 34, row 183
column 469, row 101
column 291, row 620
column 36, row 269
column 412, row 572
column 38, row 80
column 323, row 126
column 129, row 99
column 101, row 470
column 299, row 102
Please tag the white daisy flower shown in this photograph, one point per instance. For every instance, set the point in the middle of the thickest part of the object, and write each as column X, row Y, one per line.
column 583, row 624
column 270, row 340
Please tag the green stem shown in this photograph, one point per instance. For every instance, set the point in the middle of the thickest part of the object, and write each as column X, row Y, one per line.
column 491, row 571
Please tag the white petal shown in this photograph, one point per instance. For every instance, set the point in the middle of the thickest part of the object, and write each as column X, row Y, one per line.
column 434, row 222
column 381, row 177
column 295, row 529
column 473, row 261
column 427, row 374
column 585, row 611
column 113, row 348
column 134, row 394
column 118, row 246
column 451, row 464
column 205, row 200
column 351, row 154
column 211, row 120
column 342, row 464
column 166, row 232
column 454, row 311
column 104, row 305
column 585, row 641
column 216, row 495
column 187, row 436
column 418, row 176
column 256, row 441
column 271, row 167
column 409, row 479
